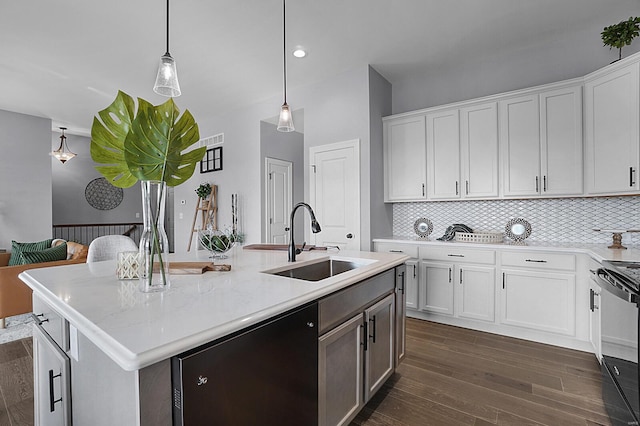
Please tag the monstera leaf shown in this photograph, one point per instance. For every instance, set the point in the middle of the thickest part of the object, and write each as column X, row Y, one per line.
column 147, row 147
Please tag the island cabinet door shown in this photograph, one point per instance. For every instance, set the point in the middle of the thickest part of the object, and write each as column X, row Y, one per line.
column 266, row 375
column 379, row 349
column 340, row 373
column 51, row 381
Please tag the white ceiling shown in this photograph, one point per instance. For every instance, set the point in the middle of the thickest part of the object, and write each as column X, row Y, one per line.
column 66, row 59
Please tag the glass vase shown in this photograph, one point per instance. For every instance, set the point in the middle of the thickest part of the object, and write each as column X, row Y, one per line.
column 154, row 245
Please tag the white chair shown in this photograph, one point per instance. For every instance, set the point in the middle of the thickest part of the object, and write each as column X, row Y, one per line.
column 107, row 247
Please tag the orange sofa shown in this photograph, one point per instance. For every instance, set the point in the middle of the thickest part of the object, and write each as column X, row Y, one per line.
column 15, row 296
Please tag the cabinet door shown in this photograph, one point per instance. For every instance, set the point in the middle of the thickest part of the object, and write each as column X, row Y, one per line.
column 443, row 152
column 411, row 284
column 520, row 145
column 436, row 287
column 561, row 141
column 379, row 349
column 51, row 381
column 400, row 312
column 595, row 319
column 612, row 115
column 340, row 373
column 475, row 293
column 405, row 159
column 479, row 151
column 539, row 300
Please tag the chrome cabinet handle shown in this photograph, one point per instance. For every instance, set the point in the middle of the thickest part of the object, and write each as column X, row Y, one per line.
column 535, row 261
column 423, row 189
column 396, row 251
column 456, row 187
column 503, row 278
column 455, row 255
column 449, row 274
column 414, row 271
column 52, row 398
column 460, row 275
column 544, row 183
column 373, row 336
column 467, row 186
column 537, row 184
column 631, row 176
column 37, row 318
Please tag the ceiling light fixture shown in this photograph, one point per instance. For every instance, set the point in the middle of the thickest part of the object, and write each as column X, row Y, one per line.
column 299, row 53
column 167, row 78
column 285, row 122
column 63, row 153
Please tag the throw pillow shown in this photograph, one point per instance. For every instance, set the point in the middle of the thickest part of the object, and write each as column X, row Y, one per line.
column 51, row 254
column 18, row 248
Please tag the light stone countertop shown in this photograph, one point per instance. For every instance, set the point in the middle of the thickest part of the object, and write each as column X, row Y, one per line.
column 598, row 252
column 138, row 329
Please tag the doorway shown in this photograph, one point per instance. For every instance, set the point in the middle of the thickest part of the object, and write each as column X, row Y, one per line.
column 279, row 199
column 335, row 193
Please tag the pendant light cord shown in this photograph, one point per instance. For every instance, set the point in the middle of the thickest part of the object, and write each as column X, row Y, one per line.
column 168, row 28
column 284, row 46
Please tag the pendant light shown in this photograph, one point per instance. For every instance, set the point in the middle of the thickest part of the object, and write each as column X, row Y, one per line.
column 167, row 78
column 285, row 122
column 63, row 153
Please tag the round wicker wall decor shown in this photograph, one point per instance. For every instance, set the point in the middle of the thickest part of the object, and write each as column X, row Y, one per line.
column 101, row 195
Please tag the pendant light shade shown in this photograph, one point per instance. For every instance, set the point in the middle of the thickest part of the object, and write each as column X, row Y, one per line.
column 285, row 122
column 63, row 153
column 167, row 78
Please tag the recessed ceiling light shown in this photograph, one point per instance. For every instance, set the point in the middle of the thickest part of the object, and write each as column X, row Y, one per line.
column 299, row 53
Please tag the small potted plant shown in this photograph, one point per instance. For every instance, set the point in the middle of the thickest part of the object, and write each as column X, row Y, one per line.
column 204, row 190
column 621, row 34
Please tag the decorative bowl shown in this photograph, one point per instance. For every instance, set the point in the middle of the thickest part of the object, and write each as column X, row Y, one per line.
column 217, row 242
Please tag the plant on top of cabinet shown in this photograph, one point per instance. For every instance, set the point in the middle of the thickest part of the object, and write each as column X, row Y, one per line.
column 621, row 34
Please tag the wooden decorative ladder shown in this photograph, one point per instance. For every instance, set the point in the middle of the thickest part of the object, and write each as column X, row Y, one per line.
column 208, row 208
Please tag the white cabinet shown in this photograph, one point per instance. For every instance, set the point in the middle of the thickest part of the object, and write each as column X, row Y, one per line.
column 475, row 293
column 436, row 287
column 561, row 141
column 443, row 152
column 405, row 159
column 479, row 151
column 400, row 308
column 539, row 300
column 541, row 143
column 612, row 135
column 379, row 348
column 411, row 284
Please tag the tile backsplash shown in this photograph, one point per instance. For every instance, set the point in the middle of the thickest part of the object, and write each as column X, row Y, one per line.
column 554, row 220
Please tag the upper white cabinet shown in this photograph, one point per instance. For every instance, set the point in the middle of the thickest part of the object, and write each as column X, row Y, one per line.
column 541, row 140
column 520, row 142
column 479, row 149
column 561, row 141
column 405, row 162
column 443, row 152
column 612, row 114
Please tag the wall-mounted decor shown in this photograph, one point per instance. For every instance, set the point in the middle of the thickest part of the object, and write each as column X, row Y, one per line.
column 101, row 195
column 212, row 160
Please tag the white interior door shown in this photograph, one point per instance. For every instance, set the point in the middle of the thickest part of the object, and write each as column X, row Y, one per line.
column 335, row 193
column 279, row 199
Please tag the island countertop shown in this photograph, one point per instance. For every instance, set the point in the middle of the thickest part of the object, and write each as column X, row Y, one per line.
column 137, row 329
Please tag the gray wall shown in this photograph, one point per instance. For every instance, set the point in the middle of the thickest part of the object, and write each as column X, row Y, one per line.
column 25, row 173
column 379, row 106
column 546, row 59
column 287, row 147
column 69, row 181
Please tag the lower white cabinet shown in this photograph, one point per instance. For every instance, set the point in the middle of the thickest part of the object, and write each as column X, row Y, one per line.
column 539, row 300
column 411, row 284
column 378, row 345
column 464, row 291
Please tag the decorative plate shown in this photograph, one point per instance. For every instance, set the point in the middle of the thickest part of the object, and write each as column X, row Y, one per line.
column 423, row 227
column 517, row 229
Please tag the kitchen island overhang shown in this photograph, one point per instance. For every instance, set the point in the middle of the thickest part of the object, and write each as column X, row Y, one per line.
column 138, row 329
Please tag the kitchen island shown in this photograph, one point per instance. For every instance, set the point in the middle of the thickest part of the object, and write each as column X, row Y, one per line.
column 120, row 341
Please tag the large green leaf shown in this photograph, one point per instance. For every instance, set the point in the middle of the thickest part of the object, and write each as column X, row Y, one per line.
column 147, row 145
column 107, row 140
column 154, row 146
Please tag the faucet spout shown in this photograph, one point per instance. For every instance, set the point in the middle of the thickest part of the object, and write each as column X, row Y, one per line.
column 315, row 228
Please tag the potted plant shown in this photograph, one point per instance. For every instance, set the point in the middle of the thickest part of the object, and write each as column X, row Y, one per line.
column 148, row 145
column 203, row 190
column 621, row 34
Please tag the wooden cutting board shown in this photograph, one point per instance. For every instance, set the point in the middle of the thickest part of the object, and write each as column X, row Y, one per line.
column 185, row 268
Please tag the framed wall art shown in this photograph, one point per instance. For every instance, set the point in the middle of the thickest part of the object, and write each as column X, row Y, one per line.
column 212, row 160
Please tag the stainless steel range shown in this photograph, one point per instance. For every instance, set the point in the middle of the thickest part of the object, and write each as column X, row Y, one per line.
column 620, row 374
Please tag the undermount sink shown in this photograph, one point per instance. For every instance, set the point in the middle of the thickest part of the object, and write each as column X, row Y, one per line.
column 319, row 270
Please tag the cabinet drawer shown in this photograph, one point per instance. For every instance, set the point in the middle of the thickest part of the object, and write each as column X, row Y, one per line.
column 458, row 254
column 408, row 249
column 539, row 260
column 56, row 326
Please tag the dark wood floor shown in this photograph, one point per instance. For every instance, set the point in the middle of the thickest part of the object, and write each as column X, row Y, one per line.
column 454, row 376
column 450, row 376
